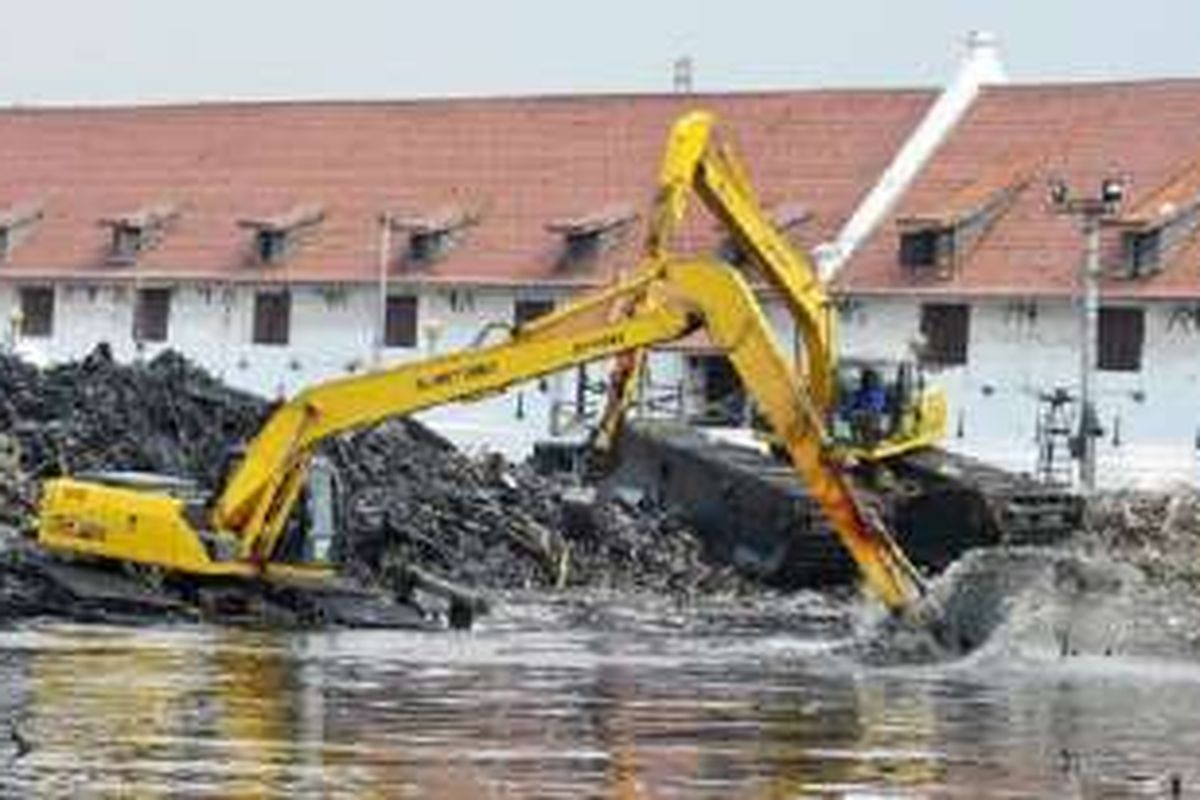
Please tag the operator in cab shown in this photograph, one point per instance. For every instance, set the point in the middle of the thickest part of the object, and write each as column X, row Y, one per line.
column 868, row 407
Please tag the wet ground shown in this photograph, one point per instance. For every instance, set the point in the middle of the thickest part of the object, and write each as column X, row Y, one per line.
column 578, row 698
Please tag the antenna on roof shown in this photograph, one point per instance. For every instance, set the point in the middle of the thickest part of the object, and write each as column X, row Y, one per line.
column 682, row 75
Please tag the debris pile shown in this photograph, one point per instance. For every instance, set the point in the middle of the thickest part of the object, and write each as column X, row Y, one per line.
column 166, row 415
column 411, row 504
column 1158, row 532
column 1126, row 585
column 484, row 522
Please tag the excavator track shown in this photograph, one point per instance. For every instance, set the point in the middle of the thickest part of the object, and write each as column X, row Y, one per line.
column 754, row 514
column 943, row 503
column 37, row 584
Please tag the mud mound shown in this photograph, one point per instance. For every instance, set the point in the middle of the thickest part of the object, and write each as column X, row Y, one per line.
column 1040, row 604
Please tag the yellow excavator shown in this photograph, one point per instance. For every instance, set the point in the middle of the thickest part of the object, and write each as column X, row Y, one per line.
column 237, row 536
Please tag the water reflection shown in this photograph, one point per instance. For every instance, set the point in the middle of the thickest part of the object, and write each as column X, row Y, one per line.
column 539, row 706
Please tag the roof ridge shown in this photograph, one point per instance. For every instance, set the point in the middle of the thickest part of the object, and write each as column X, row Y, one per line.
column 442, row 101
column 1086, row 82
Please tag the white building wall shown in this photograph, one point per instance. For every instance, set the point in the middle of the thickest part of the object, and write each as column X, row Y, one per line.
column 331, row 334
column 1018, row 350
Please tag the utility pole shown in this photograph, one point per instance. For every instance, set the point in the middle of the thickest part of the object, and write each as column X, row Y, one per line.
column 385, row 260
column 1092, row 211
column 1089, row 279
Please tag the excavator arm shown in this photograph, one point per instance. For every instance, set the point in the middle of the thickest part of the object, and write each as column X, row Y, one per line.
column 669, row 301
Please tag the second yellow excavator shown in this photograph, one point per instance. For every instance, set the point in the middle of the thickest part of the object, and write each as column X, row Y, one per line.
column 237, row 535
column 698, row 163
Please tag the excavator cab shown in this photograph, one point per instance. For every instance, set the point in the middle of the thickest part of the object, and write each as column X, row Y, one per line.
column 884, row 408
column 881, row 409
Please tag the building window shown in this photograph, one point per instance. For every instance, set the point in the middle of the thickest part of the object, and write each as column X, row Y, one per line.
column 426, row 247
column 400, row 324
column 945, row 328
column 583, row 248
column 1121, row 335
column 1142, row 251
column 272, row 317
column 37, row 311
column 152, row 315
column 528, row 310
column 722, row 395
column 920, row 248
column 126, row 243
column 271, row 246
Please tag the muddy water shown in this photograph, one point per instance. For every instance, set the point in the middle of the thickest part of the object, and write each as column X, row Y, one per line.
column 577, row 699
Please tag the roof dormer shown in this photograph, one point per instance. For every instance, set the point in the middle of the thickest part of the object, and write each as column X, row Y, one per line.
column 934, row 242
column 428, row 238
column 276, row 238
column 135, row 232
column 1151, row 230
column 16, row 222
column 588, row 236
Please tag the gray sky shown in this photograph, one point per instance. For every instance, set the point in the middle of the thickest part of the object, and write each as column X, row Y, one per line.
column 55, row 51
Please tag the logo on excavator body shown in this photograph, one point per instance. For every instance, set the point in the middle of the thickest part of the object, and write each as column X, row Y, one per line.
column 76, row 494
column 457, row 375
column 80, row 529
column 606, row 342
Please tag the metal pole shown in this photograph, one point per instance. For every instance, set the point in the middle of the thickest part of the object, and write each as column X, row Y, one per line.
column 385, row 251
column 1092, row 210
column 1089, row 321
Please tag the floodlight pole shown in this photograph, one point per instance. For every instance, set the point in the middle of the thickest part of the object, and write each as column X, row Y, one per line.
column 385, row 259
column 1089, row 279
column 1092, row 212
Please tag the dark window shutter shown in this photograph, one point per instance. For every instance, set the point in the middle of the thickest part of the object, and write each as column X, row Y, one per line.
column 1121, row 335
column 272, row 317
column 152, row 316
column 400, row 324
column 946, row 330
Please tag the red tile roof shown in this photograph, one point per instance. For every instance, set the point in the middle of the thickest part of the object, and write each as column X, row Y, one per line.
column 1179, row 193
column 996, row 180
column 524, row 163
column 1146, row 132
